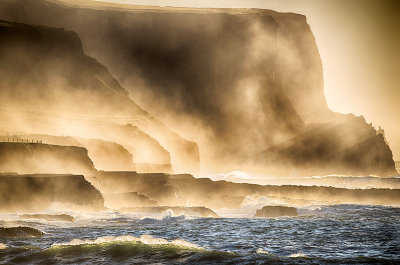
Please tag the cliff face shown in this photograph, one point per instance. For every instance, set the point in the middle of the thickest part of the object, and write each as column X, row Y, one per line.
column 31, row 158
column 217, row 73
column 48, row 84
column 238, row 82
column 34, row 193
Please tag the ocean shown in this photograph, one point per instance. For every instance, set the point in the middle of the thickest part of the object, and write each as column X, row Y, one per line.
column 334, row 234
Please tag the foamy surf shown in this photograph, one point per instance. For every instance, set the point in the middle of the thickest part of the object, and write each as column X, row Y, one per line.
column 144, row 239
column 298, row 255
column 261, row 251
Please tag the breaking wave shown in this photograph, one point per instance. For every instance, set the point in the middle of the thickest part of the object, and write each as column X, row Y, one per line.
column 298, row 255
column 144, row 239
column 261, row 251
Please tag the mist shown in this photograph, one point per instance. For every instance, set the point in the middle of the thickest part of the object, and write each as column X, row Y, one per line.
column 145, row 134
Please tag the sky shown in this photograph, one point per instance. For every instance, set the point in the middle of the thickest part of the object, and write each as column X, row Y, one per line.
column 359, row 43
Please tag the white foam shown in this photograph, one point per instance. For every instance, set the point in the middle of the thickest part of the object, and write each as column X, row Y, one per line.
column 145, row 239
column 261, row 251
column 298, row 255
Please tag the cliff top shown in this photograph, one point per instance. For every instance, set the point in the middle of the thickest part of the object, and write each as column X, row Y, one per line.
column 164, row 9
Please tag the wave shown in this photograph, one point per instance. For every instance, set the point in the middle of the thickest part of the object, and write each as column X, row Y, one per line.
column 144, row 239
column 148, row 220
column 293, row 255
column 298, row 255
column 19, row 232
column 261, row 251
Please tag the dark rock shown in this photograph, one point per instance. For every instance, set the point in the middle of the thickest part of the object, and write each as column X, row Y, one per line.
column 19, row 232
column 276, row 211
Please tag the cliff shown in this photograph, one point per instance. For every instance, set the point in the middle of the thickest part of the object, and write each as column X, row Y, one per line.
column 31, row 158
column 35, row 193
column 182, row 190
column 106, row 155
column 131, row 149
column 349, row 146
column 242, row 83
column 63, row 91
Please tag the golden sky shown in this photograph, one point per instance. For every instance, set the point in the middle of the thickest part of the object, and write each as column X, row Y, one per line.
column 359, row 43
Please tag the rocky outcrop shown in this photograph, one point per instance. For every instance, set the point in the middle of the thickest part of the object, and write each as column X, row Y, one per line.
column 35, row 193
column 276, row 211
column 31, row 158
column 20, row 232
column 62, row 89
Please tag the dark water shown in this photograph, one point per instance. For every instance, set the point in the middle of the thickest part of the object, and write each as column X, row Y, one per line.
column 340, row 234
